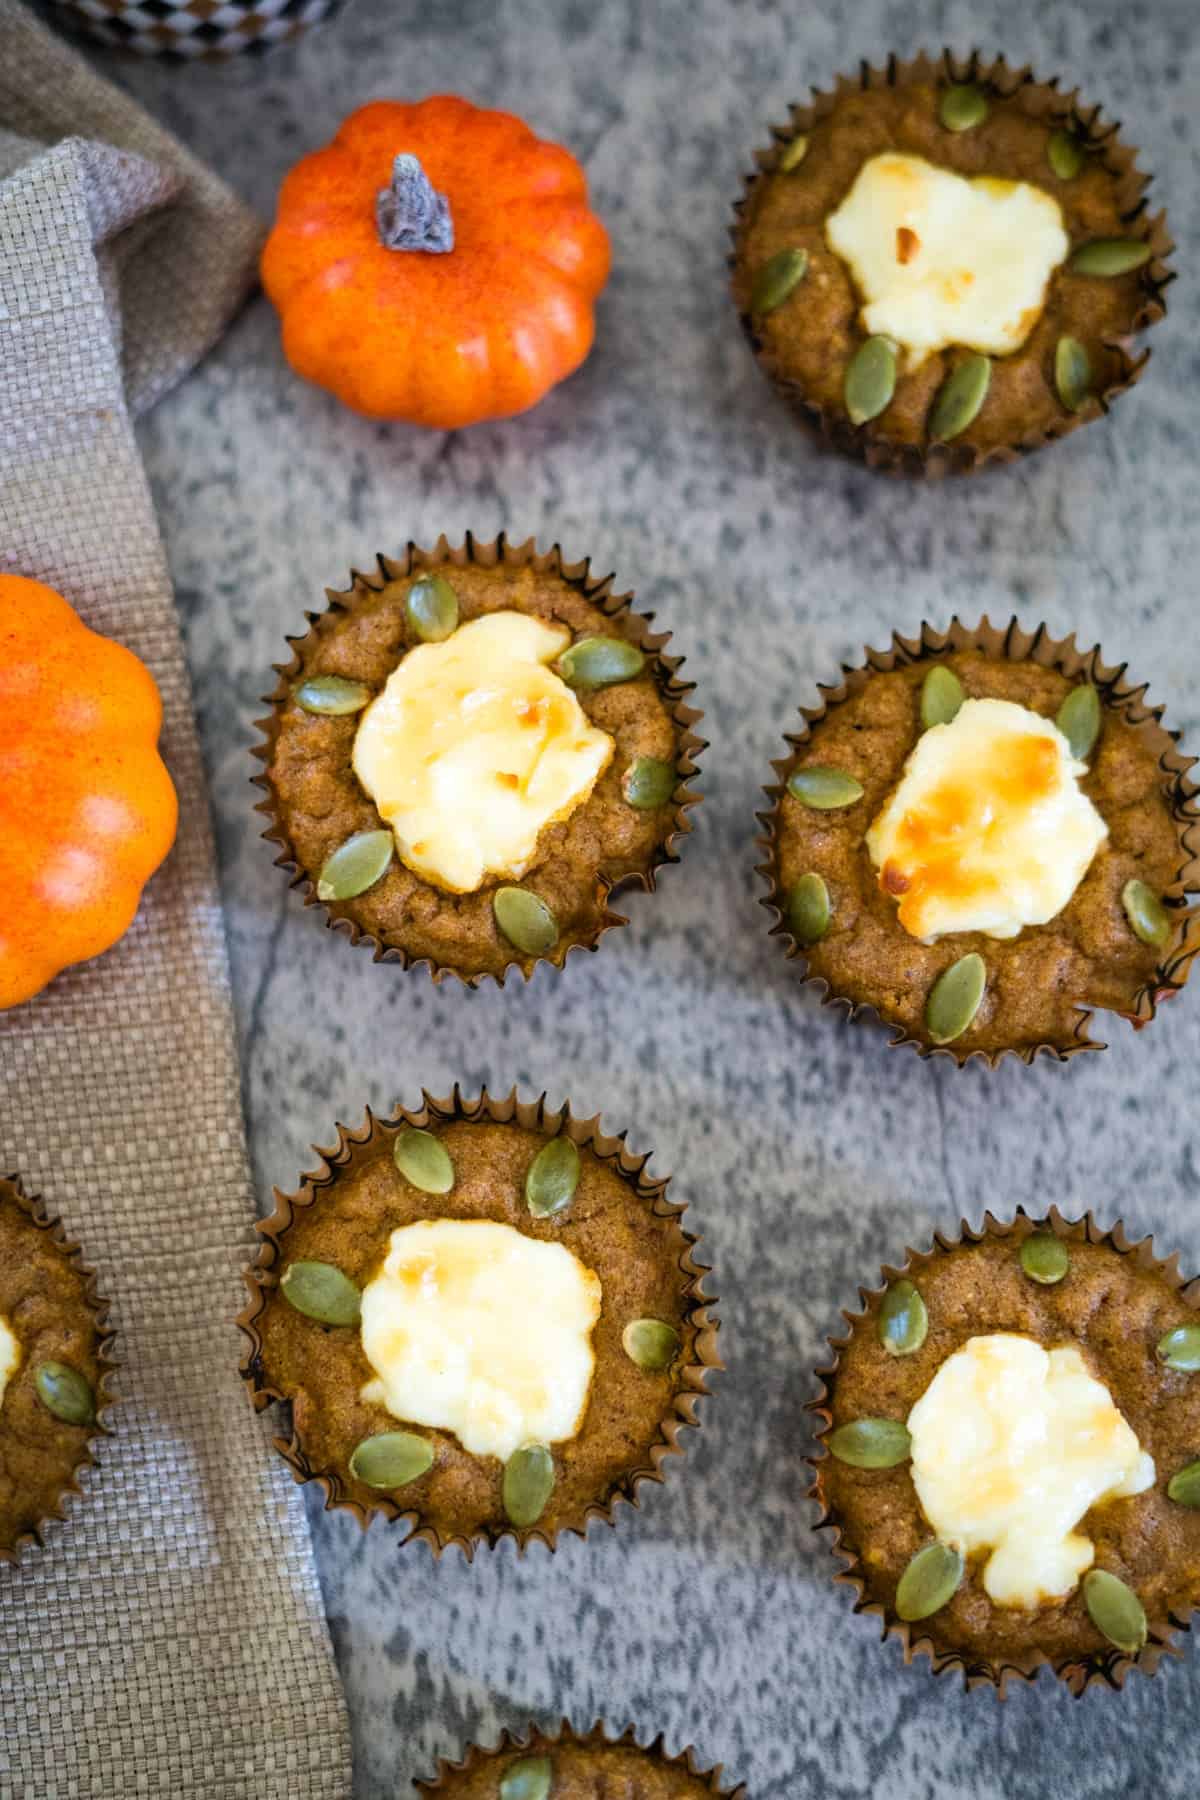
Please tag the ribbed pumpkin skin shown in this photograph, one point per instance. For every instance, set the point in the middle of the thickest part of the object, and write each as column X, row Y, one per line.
column 444, row 340
column 87, row 808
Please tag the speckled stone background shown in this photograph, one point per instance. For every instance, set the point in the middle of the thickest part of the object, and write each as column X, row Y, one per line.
column 806, row 1150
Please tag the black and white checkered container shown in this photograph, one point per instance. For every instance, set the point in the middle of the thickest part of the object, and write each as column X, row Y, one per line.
column 186, row 30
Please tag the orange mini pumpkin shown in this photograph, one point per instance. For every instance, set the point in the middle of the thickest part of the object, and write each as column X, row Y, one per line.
column 87, row 809
column 436, row 263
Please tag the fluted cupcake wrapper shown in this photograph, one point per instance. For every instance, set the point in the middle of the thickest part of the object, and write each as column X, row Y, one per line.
column 350, row 1148
column 869, row 443
column 1011, row 643
column 538, row 1742
column 598, row 591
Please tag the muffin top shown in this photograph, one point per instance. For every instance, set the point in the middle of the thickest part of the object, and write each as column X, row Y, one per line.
column 489, row 1325
column 567, row 1768
column 980, row 848
column 465, row 760
column 936, row 262
column 1033, row 1401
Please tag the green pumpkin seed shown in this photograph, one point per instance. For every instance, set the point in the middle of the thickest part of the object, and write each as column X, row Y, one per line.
column 1072, row 373
column 903, row 1320
column 1184, row 1487
column 1115, row 1610
column 1078, row 718
column 870, row 380
column 528, row 1779
column 931, row 1580
column 1180, row 1349
column 960, row 397
column 552, row 1178
column 650, row 1343
column 321, row 1292
column 962, row 106
column 824, row 788
column 600, row 662
column 391, row 1459
column 1111, row 256
column 648, row 783
column 1045, row 1258
column 942, row 693
column 528, row 1484
column 871, row 1443
column 525, row 920
column 776, row 279
column 65, row 1393
column 808, row 909
column 954, row 998
column 424, row 1160
column 431, row 608
column 1064, row 153
column 332, row 695
column 793, row 155
column 1148, row 917
column 356, row 865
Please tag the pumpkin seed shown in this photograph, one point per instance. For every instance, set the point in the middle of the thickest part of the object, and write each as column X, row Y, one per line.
column 321, row 1292
column 1078, row 719
column 954, row 998
column 962, row 105
column 1072, row 373
column 870, row 380
column 793, row 154
column 960, row 397
column 528, row 1484
column 1110, row 256
column 65, row 1393
column 1148, row 917
column 1184, row 1486
column 600, row 662
column 903, row 1320
column 1115, row 1610
column 424, row 1160
column 391, row 1459
column 356, row 865
column 1180, row 1349
column 648, row 782
column 931, row 1580
column 942, row 693
column 552, row 1178
column 871, row 1443
column 824, row 788
column 776, row 279
column 650, row 1343
column 332, row 695
column 1045, row 1258
column 808, row 909
column 528, row 1779
column 525, row 920
column 431, row 608
column 1064, row 153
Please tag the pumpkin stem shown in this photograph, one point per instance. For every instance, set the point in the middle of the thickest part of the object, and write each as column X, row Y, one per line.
column 410, row 214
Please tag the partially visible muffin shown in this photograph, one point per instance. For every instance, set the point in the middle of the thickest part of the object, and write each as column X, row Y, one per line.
column 564, row 1765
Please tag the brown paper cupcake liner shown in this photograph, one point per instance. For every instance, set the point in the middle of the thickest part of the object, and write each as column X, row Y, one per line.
column 531, row 1115
column 597, row 590
column 1108, row 1669
column 34, row 1209
column 534, row 1741
column 1013, row 644
column 1043, row 100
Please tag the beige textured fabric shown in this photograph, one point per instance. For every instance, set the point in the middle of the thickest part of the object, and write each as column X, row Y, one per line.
column 170, row 1640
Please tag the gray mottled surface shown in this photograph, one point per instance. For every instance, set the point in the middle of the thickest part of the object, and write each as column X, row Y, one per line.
column 806, row 1150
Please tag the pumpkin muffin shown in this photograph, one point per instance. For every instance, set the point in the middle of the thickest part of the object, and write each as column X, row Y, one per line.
column 54, row 1362
column 564, row 1765
column 1011, row 1432
column 483, row 1317
column 470, row 751
column 981, row 835
column 944, row 264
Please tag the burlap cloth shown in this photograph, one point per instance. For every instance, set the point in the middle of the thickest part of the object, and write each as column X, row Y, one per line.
column 170, row 1640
